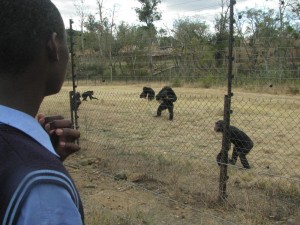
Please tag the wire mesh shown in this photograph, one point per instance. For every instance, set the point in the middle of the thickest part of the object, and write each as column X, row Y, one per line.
column 122, row 138
column 177, row 159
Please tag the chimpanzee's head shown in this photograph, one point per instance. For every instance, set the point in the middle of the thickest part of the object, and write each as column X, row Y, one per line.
column 219, row 126
column 147, row 91
column 144, row 93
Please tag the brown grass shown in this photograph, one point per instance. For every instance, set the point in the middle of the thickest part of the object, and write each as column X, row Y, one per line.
column 177, row 159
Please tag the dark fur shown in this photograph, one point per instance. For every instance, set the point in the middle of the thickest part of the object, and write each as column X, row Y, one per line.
column 76, row 102
column 148, row 93
column 167, row 97
column 241, row 141
column 88, row 94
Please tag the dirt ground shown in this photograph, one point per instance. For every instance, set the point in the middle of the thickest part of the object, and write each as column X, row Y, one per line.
column 108, row 201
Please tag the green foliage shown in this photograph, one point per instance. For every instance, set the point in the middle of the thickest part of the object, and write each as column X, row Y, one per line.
column 166, row 41
column 91, row 41
column 90, row 71
column 177, row 82
column 189, row 32
column 207, row 81
column 266, row 53
column 129, row 35
column 148, row 12
column 91, row 24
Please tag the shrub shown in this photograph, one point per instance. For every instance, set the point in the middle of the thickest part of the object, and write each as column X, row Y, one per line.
column 176, row 82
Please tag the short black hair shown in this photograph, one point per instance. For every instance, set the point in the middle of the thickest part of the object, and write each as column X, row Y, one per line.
column 26, row 26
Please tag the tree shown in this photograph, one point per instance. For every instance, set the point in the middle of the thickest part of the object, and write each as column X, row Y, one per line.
column 194, row 53
column 295, row 5
column 81, row 11
column 164, row 39
column 222, row 33
column 259, row 31
column 102, row 23
column 148, row 14
column 268, row 38
column 130, row 39
column 110, row 42
column 91, row 24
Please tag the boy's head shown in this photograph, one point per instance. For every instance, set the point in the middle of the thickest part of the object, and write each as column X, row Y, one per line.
column 219, row 126
column 33, row 37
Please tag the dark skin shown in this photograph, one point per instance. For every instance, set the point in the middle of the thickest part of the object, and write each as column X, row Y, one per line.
column 33, row 63
column 43, row 77
column 62, row 134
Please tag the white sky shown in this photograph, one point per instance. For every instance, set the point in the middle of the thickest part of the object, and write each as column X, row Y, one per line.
column 170, row 9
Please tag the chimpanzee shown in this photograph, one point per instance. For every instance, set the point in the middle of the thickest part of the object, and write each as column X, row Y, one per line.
column 166, row 96
column 76, row 102
column 88, row 94
column 148, row 92
column 241, row 141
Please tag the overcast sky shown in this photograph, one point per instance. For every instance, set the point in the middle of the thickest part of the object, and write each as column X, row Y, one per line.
column 170, row 9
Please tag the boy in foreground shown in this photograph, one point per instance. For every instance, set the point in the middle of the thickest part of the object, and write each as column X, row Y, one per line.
column 35, row 186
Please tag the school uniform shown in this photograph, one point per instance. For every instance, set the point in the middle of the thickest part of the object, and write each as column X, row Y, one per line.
column 35, row 187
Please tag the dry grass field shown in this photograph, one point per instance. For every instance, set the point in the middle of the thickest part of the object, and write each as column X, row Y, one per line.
column 172, row 177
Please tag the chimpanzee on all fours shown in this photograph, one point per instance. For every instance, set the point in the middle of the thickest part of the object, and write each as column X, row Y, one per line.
column 148, row 93
column 88, row 94
column 167, row 97
column 241, row 141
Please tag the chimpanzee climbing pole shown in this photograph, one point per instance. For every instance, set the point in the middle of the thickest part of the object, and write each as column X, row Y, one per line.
column 227, row 112
column 73, row 95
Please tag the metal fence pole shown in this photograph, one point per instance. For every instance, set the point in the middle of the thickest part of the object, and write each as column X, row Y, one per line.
column 73, row 108
column 227, row 111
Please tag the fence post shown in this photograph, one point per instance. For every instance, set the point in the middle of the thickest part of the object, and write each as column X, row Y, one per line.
column 73, row 96
column 224, row 151
column 227, row 111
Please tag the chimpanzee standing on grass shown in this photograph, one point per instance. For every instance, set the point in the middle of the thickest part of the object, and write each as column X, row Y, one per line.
column 166, row 96
column 241, row 141
column 148, row 92
column 88, row 94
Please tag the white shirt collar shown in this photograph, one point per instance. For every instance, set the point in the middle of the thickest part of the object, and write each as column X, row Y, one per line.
column 27, row 124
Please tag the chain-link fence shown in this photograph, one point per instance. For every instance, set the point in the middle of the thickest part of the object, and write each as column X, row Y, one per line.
column 176, row 160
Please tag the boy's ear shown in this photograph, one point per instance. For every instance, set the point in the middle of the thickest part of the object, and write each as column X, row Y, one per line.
column 52, row 47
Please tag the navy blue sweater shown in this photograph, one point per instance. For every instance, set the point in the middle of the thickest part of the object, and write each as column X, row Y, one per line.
column 25, row 163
